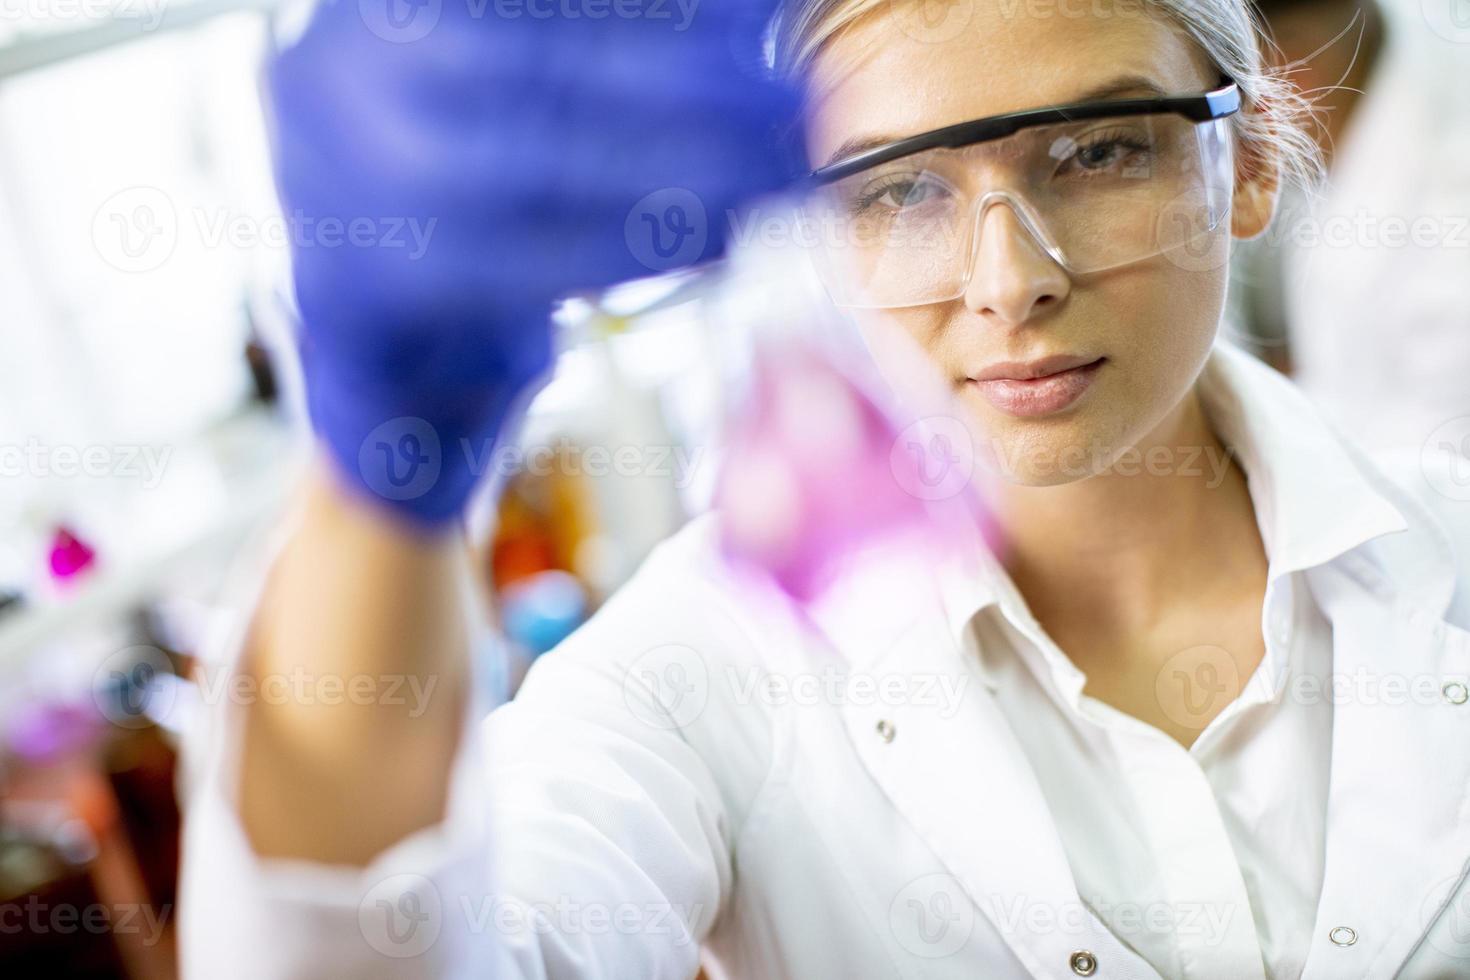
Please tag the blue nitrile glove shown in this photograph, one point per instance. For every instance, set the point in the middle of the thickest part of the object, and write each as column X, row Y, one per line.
column 450, row 167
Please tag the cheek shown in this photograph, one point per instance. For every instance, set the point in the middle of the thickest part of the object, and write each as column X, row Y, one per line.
column 919, row 326
column 1179, row 312
column 1156, row 321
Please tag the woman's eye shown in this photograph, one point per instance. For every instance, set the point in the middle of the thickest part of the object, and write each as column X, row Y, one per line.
column 899, row 194
column 1109, row 154
column 1098, row 155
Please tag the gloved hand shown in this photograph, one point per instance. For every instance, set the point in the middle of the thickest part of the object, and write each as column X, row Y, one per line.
column 450, row 169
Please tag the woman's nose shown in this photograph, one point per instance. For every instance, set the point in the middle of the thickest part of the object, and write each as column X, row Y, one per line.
column 1013, row 280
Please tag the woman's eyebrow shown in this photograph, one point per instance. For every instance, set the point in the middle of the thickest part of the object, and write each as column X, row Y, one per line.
column 1125, row 85
column 858, row 144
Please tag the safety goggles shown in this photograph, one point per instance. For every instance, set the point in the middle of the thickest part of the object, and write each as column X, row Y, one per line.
column 1098, row 185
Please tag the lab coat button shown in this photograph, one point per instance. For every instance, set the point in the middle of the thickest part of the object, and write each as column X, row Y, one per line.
column 1343, row 935
column 1456, row 693
column 1084, row 963
column 886, row 731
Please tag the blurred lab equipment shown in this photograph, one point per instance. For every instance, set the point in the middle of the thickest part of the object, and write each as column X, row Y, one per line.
column 150, row 326
column 1363, row 292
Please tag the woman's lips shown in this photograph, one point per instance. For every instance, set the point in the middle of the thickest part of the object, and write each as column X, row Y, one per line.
column 1036, row 396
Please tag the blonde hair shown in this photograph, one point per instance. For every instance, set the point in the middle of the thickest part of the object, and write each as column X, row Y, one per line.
column 1269, row 132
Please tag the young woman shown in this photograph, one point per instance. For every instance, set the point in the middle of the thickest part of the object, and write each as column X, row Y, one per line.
column 1201, row 715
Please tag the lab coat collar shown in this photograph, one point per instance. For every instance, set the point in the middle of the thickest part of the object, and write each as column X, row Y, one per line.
column 1312, row 496
column 964, row 782
column 1318, row 497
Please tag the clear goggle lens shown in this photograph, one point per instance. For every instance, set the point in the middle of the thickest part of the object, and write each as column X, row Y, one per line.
column 1095, row 194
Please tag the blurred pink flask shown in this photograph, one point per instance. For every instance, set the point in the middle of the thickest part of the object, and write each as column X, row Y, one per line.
column 816, row 473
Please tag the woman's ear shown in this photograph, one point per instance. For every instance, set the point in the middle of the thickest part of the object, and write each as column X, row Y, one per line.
column 1257, row 188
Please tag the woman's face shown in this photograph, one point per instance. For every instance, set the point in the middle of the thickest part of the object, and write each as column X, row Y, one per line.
column 1144, row 330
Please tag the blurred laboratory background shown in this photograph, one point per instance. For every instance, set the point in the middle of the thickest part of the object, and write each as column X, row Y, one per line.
column 151, row 423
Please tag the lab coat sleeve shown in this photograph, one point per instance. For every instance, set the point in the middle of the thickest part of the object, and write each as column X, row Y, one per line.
column 612, row 842
column 244, row 916
column 584, row 838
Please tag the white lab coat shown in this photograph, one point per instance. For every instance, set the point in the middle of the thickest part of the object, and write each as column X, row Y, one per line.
column 680, row 774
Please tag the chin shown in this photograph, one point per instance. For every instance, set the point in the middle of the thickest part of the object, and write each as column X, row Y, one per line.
column 1037, row 453
column 1040, row 452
